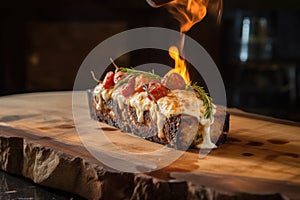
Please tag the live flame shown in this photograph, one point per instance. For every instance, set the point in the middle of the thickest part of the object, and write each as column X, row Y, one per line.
column 180, row 64
column 188, row 12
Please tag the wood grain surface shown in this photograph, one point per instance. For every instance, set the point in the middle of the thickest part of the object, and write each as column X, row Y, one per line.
column 261, row 155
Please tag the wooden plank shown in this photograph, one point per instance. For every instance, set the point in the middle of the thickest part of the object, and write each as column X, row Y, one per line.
column 258, row 150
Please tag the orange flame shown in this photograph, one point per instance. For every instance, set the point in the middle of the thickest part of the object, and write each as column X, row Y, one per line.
column 180, row 65
column 188, row 12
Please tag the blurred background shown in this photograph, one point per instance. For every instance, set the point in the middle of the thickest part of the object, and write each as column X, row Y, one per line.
column 256, row 47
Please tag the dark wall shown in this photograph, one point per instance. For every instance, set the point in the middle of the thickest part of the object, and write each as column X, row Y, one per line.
column 267, row 82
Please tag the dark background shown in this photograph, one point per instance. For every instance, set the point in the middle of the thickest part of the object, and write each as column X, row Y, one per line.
column 43, row 43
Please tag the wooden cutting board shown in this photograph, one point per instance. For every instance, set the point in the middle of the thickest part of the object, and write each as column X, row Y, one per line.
column 261, row 156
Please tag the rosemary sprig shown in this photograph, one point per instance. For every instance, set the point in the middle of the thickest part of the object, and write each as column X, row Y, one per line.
column 207, row 100
column 135, row 72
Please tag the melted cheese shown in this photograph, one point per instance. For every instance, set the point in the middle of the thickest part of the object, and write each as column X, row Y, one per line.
column 119, row 98
column 101, row 94
column 159, row 118
column 206, row 142
column 97, row 96
column 141, row 103
column 181, row 102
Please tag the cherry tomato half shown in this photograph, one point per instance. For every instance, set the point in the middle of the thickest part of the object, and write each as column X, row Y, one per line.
column 157, row 90
column 108, row 80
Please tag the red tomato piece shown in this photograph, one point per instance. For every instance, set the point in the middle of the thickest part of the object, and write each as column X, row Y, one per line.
column 108, row 80
column 157, row 90
column 173, row 81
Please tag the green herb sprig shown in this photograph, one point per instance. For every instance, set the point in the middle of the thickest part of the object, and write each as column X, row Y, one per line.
column 207, row 100
column 131, row 73
column 135, row 72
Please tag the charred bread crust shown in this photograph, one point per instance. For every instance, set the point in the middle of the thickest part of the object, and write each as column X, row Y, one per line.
column 175, row 128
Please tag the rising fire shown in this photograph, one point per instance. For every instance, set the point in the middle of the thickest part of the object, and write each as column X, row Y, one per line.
column 188, row 12
column 180, row 64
